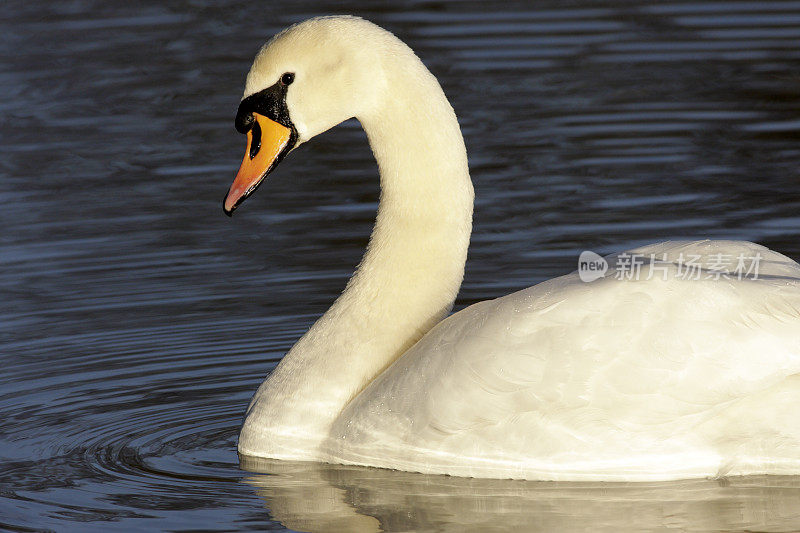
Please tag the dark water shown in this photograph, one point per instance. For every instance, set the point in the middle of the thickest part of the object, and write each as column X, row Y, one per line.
column 137, row 319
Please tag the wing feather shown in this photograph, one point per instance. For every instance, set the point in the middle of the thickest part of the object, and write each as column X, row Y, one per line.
column 572, row 373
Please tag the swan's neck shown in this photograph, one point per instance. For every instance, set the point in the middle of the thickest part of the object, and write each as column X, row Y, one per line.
column 405, row 284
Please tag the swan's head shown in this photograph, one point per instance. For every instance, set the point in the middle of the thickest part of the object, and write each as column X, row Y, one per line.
column 304, row 81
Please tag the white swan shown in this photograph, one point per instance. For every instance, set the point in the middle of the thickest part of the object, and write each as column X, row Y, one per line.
column 610, row 380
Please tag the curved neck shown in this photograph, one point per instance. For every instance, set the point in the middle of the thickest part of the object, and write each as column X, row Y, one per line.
column 414, row 263
column 406, row 282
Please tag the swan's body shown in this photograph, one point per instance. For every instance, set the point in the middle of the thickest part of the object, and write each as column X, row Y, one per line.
column 649, row 379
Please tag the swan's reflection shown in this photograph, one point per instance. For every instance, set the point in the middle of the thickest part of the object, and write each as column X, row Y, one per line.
column 326, row 498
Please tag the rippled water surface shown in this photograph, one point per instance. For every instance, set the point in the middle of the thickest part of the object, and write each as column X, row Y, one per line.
column 137, row 319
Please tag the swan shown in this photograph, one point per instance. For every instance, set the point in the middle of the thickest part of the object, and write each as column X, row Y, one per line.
column 647, row 378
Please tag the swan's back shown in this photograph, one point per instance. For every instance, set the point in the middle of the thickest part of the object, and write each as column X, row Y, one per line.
column 613, row 379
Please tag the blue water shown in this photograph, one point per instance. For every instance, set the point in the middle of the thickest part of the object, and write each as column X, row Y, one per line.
column 138, row 319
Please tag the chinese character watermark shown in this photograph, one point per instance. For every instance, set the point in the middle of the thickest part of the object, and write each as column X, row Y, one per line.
column 688, row 267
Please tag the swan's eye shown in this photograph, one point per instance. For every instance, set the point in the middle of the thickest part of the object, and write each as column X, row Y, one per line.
column 287, row 78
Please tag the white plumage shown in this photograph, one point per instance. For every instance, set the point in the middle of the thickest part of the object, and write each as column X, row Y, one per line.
column 609, row 380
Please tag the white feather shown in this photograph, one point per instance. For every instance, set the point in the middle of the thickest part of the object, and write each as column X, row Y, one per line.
column 608, row 380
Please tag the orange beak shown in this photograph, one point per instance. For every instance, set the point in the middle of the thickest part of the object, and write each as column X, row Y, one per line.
column 266, row 145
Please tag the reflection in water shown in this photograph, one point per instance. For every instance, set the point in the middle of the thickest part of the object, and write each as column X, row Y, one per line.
column 320, row 498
